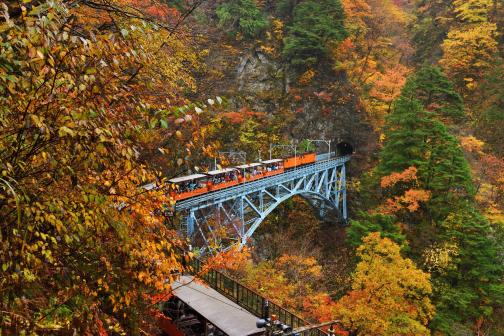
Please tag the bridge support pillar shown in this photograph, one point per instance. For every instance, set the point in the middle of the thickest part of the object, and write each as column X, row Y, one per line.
column 190, row 223
column 343, row 191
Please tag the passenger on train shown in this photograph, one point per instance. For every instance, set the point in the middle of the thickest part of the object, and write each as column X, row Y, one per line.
column 189, row 186
column 272, row 167
column 221, row 178
column 181, row 187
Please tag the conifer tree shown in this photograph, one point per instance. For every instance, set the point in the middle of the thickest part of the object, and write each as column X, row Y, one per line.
column 242, row 16
column 415, row 137
column 367, row 223
column 446, row 172
column 435, row 91
column 315, row 25
column 406, row 132
column 472, row 287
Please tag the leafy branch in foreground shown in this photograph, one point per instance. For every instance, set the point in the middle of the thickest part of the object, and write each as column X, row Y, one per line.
column 74, row 114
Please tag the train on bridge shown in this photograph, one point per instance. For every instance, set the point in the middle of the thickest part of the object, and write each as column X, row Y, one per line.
column 197, row 184
column 185, row 187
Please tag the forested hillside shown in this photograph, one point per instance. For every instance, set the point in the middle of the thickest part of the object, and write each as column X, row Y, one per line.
column 103, row 101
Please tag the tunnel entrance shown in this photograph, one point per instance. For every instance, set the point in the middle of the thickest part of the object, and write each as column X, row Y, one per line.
column 344, row 148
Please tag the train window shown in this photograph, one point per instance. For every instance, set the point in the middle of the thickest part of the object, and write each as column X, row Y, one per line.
column 189, row 183
column 223, row 175
column 273, row 164
column 252, row 169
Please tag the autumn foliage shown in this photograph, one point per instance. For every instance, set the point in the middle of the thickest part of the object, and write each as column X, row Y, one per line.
column 469, row 49
column 102, row 101
column 411, row 198
column 372, row 54
column 81, row 244
column 389, row 296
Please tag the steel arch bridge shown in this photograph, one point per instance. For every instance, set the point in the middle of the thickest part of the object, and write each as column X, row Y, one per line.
column 229, row 216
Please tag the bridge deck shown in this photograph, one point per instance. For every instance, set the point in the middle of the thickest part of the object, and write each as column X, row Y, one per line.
column 242, row 189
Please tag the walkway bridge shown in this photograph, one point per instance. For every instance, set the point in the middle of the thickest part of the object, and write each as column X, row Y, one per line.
column 229, row 216
column 222, row 302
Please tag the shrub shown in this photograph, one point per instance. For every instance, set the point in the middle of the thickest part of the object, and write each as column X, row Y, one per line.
column 315, row 25
column 242, row 16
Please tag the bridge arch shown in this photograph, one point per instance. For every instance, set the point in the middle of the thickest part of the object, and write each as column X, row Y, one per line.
column 316, row 200
column 241, row 209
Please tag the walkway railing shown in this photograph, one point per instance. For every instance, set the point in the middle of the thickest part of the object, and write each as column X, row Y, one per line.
column 249, row 299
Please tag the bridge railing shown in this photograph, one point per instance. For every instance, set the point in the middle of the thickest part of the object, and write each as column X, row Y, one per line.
column 249, row 299
column 325, row 156
column 232, row 192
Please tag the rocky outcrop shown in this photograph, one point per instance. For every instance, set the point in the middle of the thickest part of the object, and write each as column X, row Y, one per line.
column 257, row 73
column 326, row 107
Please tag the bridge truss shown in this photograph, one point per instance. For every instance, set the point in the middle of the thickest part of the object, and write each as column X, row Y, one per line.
column 223, row 218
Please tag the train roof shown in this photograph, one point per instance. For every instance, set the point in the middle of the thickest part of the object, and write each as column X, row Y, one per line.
column 220, row 171
column 186, row 178
column 272, row 161
column 250, row 165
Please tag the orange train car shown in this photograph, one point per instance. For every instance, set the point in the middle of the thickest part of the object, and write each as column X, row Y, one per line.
column 189, row 186
column 299, row 160
column 198, row 184
column 250, row 172
column 273, row 167
column 223, row 178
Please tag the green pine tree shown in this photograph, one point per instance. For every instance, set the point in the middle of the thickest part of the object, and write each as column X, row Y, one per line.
column 368, row 223
column 446, row 173
column 285, row 8
column 242, row 16
column 407, row 132
column 415, row 137
column 435, row 91
column 315, row 25
column 473, row 287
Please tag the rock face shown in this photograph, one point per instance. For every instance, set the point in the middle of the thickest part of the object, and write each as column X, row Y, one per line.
column 324, row 108
column 256, row 73
column 259, row 82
